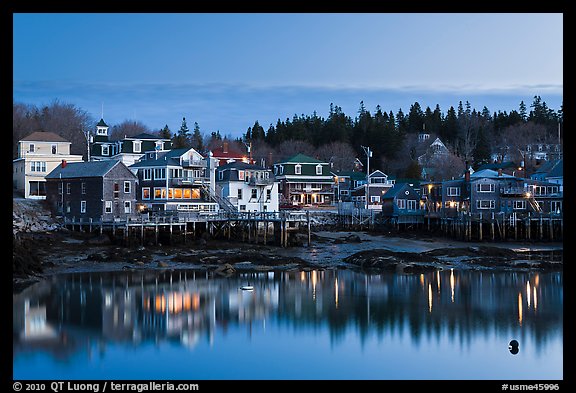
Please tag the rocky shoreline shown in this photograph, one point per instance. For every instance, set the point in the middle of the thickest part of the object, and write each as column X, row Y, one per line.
column 41, row 248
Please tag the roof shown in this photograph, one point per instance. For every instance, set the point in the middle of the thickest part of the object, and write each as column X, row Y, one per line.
column 303, row 159
column 240, row 165
column 378, row 173
column 557, row 170
column 231, row 152
column 101, row 123
column 498, row 165
column 44, row 136
column 489, row 173
column 82, row 169
column 163, row 158
column 398, row 187
column 145, row 135
column 353, row 175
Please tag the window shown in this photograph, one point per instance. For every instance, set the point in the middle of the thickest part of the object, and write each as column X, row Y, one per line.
column 401, row 203
column 178, row 193
column 159, row 145
column 105, row 150
column 318, row 169
column 60, row 188
column 485, row 187
column 67, row 206
column 68, row 188
column 239, row 194
column 281, row 169
column 298, row 169
column 555, row 206
column 375, row 198
column 170, row 193
column 485, row 204
column 82, row 206
column 127, row 187
column 242, row 208
column 412, row 204
column 453, row 191
column 159, row 193
column 241, row 175
column 37, row 166
column 127, row 207
column 519, row 205
column 146, row 193
column 268, row 194
column 146, row 174
column 195, row 193
column 31, row 148
column 186, row 193
column 254, row 194
column 137, row 146
column 108, row 207
column 83, row 187
column 116, row 190
column 221, row 175
column 159, row 173
column 275, row 170
column 54, row 149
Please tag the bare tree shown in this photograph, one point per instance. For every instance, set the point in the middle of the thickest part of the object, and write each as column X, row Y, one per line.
column 340, row 155
column 292, row 147
column 128, row 128
column 24, row 123
column 516, row 139
column 450, row 166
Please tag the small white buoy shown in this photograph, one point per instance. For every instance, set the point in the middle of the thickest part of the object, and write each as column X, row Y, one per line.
column 247, row 288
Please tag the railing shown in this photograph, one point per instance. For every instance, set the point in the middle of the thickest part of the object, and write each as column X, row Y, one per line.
column 224, row 203
column 195, row 163
column 513, row 191
column 254, row 181
column 181, row 181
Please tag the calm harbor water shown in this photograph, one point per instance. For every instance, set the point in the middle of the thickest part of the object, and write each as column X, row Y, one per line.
column 332, row 324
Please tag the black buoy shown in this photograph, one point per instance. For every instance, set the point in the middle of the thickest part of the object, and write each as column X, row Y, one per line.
column 513, row 347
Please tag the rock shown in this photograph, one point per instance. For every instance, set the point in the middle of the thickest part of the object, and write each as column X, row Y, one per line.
column 162, row 264
column 225, row 269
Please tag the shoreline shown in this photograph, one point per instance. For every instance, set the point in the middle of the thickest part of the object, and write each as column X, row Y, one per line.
column 61, row 252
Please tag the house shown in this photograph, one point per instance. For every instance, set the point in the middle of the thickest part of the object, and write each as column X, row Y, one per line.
column 226, row 154
column 38, row 154
column 176, row 180
column 378, row 184
column 402, row 205
column 435, row 152
column 552, row 171
column 507, row 167
column 305, row 181
column 345, row 182
column 100, row 190
column 431, row 193
column 248, row 187
column 544, row 151
column 128, row 150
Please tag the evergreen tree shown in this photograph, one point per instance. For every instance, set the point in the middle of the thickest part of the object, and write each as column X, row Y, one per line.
column 413, row 171
column 165, row 132
column 197, row 141
column 522, row 111
column 182, row 137
column 482, row 151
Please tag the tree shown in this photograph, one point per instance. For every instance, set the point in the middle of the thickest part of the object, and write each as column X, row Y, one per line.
column 340, row 155
column 197, row 142
column 482, row 151
column 182, row 138
column 413, row 170
column 126, row 129
column 292, row 147
column 165, row 132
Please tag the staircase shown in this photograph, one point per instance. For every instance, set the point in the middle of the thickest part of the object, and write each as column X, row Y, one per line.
column 534, row 205
column 222, row 202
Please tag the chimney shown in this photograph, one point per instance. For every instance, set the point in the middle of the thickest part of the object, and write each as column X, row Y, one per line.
column 64, row 163
column 467, row 175
column 225, row 147
column 499, row 172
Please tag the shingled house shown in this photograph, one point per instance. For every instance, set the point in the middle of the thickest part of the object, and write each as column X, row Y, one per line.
column 101, row 190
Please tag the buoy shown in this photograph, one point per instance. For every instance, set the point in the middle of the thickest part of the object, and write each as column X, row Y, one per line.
column 247, row 288
column 513, row 347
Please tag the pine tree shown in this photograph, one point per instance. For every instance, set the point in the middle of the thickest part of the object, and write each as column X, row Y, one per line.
column 197, row 141
column 182, row 138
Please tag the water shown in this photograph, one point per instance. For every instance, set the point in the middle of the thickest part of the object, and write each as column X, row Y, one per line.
column 449, row 325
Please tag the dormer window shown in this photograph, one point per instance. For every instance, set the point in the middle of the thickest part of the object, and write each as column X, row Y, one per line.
column 159, row 145
column 137, row 146
column 298, row 169
column 105, row 150
column 318, row 169
column 54, row 149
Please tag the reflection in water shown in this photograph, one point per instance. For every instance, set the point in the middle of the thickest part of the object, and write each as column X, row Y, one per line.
column 77, row 313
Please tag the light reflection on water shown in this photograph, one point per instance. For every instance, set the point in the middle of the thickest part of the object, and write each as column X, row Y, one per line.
column 294, row 325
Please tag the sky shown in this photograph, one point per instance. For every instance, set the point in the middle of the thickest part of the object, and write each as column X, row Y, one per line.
column 227, row 70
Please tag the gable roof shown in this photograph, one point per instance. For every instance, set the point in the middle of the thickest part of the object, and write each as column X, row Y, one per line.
column 378, row 173
column 241, row 165
column 163, row 158
column 489, row 173
column 83, row 169
column 44, row 136
column 498, row 165
column 302, row 159
column 394, row 191
column 101, row 123
column 557, row 170
column 353, row 175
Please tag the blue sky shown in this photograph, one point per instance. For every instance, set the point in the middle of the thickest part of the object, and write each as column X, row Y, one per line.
column 225, row 71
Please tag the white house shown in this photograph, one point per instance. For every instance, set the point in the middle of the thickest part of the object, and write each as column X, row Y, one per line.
column 38, row 154
column 249, row 187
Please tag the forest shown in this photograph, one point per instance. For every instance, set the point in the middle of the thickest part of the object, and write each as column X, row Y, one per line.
column 473, row 137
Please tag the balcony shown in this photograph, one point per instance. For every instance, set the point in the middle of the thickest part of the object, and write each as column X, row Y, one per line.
column 194, row 163
column 260, row 181
column 187, row 181
column 513, row 191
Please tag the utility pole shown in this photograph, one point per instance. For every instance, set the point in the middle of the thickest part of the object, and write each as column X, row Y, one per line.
column 88, row 137
column 368, row 155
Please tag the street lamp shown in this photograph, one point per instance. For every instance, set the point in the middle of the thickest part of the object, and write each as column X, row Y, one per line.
column 368, row 155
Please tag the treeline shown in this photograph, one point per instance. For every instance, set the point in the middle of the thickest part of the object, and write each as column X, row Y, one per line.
column 472, row 136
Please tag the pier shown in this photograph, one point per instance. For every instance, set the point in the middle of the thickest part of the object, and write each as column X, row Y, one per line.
column 253, row 227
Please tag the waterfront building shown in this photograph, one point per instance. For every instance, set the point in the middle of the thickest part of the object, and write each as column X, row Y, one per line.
column 305, row 181
column 345, row 182
column 378, row 184
column 38, row 154
column 98, row 190
column 128, row 150
column 402, row 204
column 176, row 180
column 249, row 187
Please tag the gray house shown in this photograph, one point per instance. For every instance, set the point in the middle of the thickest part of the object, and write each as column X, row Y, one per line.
column 101, row 190
column 402, row 204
